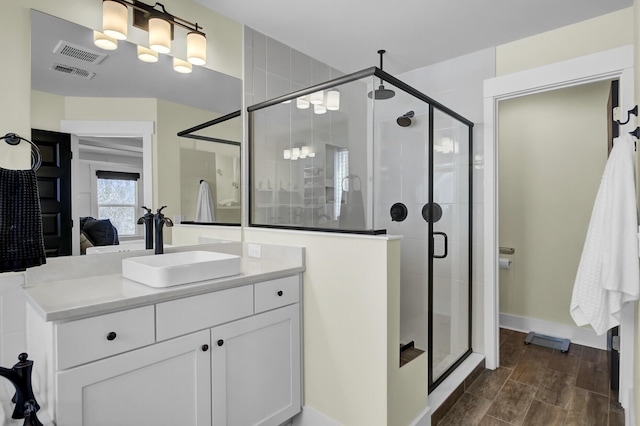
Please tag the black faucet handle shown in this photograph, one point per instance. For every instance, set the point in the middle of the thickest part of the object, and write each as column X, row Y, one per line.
column 147, row 209
column 160, row 209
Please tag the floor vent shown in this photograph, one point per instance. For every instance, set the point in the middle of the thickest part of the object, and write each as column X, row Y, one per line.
column 78, row 52
column 78, row 72
column 556, row 343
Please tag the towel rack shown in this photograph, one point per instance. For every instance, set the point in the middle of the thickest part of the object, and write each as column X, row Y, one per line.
column 36, row 157
column 633, row 111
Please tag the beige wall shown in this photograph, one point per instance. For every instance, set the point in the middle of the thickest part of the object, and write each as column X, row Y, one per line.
column 552, row 151
column 590, row 36
column 352, row 329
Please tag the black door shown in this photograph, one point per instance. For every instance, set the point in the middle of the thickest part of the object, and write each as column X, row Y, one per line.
column 54, row 185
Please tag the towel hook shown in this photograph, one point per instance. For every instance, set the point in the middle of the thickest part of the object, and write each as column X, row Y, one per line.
column 14, row 139
column 633, row 111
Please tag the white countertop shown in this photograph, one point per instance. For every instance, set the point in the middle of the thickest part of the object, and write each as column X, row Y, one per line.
column 78, row 294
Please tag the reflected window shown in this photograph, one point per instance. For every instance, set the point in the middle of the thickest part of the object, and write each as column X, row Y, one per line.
column 117, row 194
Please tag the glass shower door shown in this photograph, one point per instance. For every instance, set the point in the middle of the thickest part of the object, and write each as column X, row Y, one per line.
column 448, row 215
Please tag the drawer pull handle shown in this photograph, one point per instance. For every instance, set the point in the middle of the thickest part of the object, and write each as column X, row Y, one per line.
column 205, row 348
column 111, row 336
column 280, row 293
column 220, row 342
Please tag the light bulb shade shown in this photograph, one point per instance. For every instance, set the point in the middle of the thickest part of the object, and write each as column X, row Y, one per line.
column 333, row 100
column 196, row 48
column 115, row 19
column 147, row 55
column 103, row 41
column 304, row 151
column 312, row 154
column 295, row 153
column 319, row 109
column 302, row 102
column 159, row 35
column 317, row 98
column 181, row 66
column 287, row 154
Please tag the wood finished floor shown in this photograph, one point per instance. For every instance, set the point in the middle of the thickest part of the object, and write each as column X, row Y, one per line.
column 539, row 386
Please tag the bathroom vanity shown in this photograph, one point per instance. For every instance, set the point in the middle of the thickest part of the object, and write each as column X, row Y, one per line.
column 110, row 351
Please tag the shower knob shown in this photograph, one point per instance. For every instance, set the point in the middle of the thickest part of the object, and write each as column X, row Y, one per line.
column 398, row 212
column 430, row 209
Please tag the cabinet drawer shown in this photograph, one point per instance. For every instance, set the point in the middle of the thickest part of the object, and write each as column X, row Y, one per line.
column 88, row 339
column 276, row 293
column 182, row 316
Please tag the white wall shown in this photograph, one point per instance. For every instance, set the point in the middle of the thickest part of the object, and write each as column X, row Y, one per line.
column 458, row 84
column 552, row 152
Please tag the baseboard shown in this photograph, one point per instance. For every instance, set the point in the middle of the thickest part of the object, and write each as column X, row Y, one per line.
column 577, row 335
column 311, row 417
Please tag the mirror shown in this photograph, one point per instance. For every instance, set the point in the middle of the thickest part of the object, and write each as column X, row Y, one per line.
column 69, row 84
column 210, row 172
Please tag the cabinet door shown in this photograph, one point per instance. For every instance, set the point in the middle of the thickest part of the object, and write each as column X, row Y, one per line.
column 256, row 369
column 168, row 383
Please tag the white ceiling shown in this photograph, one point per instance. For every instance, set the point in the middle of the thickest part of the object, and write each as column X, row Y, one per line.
column 415, row 33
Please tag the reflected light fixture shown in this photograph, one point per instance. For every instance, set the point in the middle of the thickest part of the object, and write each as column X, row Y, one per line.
column 298, row 153
column 147, row 55
column 319, row 109
column 303, row 102
column 103, row 41
column 157, row 21
column 317, row 98
column 181, row 66
column 333, row 99
column 287, row 154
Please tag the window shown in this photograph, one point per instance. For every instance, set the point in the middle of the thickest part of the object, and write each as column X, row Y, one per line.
column 117, row 195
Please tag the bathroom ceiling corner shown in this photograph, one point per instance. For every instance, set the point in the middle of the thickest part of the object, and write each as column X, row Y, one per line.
column 415, row 33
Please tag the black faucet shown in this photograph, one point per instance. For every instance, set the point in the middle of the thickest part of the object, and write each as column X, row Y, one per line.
column 160, row 221
column 147, row 220
column 26, row 405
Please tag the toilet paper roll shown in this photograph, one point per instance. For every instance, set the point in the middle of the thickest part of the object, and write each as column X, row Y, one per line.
column 504, row 263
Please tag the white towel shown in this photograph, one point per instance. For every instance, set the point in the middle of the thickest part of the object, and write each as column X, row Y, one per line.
column 204, row 206
column 608, row 275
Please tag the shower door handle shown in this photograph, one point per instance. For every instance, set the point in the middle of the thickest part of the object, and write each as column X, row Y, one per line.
column 446, row 245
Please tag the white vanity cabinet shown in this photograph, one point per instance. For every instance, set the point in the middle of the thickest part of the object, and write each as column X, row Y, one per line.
column 223, row 358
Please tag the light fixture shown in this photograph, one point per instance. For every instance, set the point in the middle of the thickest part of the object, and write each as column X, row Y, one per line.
column 181, row 66
column 115, row 19
column 147, row 55
column 159, row 35
column 302, row 102
column 196, row 48
column 158, row 22
column 287, row 154
column 319, row 109
column 103, row 41
column 333, row 100
column 295, row 153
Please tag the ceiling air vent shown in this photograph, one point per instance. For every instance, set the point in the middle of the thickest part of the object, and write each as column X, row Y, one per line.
column 78, row 52
column 78, row 72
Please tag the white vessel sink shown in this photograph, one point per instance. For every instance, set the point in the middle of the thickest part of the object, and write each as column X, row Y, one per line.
column 166, row 270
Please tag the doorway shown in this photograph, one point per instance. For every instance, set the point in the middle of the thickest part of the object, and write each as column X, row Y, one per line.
column 608, row 65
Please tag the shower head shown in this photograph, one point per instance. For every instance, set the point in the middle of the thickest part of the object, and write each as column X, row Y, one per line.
column 381, row 92
column 405, row 120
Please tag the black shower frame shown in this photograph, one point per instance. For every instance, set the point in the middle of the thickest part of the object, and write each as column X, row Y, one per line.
column 433, row 104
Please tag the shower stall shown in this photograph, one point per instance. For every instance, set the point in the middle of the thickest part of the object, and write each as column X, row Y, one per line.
column 366, row 153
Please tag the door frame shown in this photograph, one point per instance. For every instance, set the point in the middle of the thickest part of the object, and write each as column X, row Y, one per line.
column 141, row 129
column 611, row 64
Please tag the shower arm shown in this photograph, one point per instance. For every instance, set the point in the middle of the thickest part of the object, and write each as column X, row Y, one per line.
column 381, row 52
